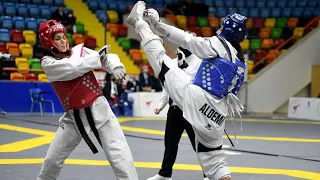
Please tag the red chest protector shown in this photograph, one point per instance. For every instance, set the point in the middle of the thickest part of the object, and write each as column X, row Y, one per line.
column 80, row 92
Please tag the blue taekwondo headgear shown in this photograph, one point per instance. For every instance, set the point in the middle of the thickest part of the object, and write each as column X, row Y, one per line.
column 234, row 28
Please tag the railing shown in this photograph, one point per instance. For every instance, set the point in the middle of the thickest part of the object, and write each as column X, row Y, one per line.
column 292, row 38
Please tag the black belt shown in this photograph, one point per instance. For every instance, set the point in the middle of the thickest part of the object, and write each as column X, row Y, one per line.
column 174, row 107
column 83, row 131
column 202, row 148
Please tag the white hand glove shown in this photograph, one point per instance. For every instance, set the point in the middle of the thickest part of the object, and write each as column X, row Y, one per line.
column 104, row 51
column 154, row 16
column 119, row 73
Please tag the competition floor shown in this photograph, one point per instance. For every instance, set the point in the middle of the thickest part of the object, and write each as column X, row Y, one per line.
column 268, row 149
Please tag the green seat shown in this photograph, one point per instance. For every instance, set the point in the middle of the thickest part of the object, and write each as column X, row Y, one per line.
column 35, row 64
column 255, row 44
column 281, row 23
column 276, row 33
column 71, row 42
column 203, row 21
column 126, row 44
column 80, row 27
column 120, row 39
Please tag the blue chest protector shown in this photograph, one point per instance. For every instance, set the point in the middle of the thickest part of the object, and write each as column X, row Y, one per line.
column 220, row 76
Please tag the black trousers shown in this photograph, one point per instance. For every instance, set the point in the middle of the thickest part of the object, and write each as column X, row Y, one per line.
column 175, row 126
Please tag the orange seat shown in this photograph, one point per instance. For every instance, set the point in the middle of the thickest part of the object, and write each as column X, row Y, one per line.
column 206, row 31
column 264, row 33
column 77, row 38
column 14, row 76
column 267, row 43
column 292, row 22
column 214, row 22
column 114, row 31
column 172, row 18
column 14, row 51
column 136, row 55
column 298, row 32
column 249, row 23
column 8, row 45
column 272, row 55
column 30, row 77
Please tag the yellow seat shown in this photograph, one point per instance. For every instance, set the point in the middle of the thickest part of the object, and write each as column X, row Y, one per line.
column 26, row 50
column 282, row 51
column 245, row 44
column 20, row 59
column 181, row 21
column 23, row 65
column 250, row 66
column 30, row 37
column 250, row 76
column 113, row 16
column 270, row 23
column 298, row 32
column 43, row 77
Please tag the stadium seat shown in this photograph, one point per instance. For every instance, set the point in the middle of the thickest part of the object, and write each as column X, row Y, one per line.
column 77, row 38
column 19, row 23
column 93, row 5
column 70, row 40
column 302, row 3
column 26, row 50
column 43, row 77
column 113, row 29
column 3, row 48
column 16, row 36
column 276, row 33
column 14, row 76
column 264, row 33
column 297, row 12
column 20, row 59
column 48, row 2
column 249, row 23
column 30, row 37
column 122, row 7
column 298, row 32
column 32, row 24
column 270, row 23
column 307, row 12
column 113, row 6
column 214, row 22
column 102, row 16
column 36, row 2
column 90, row 42
column 113, row 16
column 10, row 10
column 272, row 55
column 203, row 21
column 79, row 27
column 172, row 18
column 30, row 77
column 181, row 21
column 4, row 36
column 45, row 12
column 292, row 22
column 253, row 33
column 265, row 13
column 316, row 12
column 250, row 3
column 254, row 13
column 240, row 4
column 244, row 12
column 271, row 3
column 291, row 3
column 282, row 51
column 6, row 22
column 275, row 13
column 261, row 3
column 192, row 21
column 123, row 30
column 196, row 30
column 232, row 10
column 22, row 10
column 10, row 45
column 58, row 3
column 22, row 65
column 229, row 3
column 14, row 51
column 259, row 54
column 281, row 23
column 286, row 13
column 125, row 43
column 206, row 32
column 278, row 42
column 281, row 3
column 35, row 63
column 259, row 22
column 255, row 44
column 250, row 66
column 245, row 45
column 34, row 12
column 221, row 12
column 267, row 43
